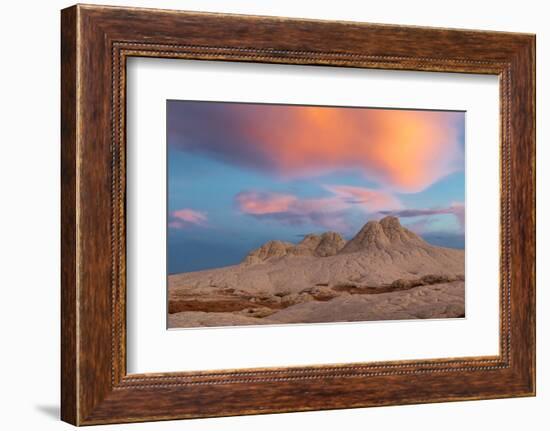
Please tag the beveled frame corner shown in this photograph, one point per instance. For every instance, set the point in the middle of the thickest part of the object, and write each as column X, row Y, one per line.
column 96, row 42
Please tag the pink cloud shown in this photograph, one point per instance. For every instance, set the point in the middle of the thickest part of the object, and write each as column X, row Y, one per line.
column 328, row 212
column 185, row 217
column 371, row 200
column 264, row 203
column 289, row 209
column 402, row 150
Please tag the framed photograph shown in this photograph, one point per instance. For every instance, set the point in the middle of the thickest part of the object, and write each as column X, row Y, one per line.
column 264, row 214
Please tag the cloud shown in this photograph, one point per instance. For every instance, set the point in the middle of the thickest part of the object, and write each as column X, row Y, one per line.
column 456, row 208
column 371, row 200
column 258, row 203
column 289, row 209
column 185, row 217
column 403, row 150
column 329, row 212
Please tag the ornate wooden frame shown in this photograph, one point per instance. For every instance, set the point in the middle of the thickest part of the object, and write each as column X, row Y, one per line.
column 96, row 41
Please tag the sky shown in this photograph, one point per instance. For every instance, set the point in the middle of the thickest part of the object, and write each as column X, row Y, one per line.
column 241, row 174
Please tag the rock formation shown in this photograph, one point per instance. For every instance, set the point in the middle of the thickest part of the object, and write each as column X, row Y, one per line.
column 331, row 243
column 387, row 233
column 269, row 250
column 384, row 272
column 326, row 244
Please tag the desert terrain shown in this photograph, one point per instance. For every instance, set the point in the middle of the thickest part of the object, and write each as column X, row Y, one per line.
column 385, row 272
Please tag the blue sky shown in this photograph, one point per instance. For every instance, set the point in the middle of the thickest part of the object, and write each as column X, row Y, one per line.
column 243, row 174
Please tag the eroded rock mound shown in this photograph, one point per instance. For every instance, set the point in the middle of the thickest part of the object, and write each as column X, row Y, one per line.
column 387, row 233
column 331, row 243
column 271, row 249
column 326, row 244
column 307, row 246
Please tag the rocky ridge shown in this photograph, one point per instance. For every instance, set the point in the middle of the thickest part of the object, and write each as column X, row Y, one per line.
column 326, row 244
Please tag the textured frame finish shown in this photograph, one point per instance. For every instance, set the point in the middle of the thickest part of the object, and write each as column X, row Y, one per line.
column 96, row 41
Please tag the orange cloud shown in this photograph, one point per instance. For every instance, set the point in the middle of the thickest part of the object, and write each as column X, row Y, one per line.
column 402, row 150
column 406, row 150
column 185, row 217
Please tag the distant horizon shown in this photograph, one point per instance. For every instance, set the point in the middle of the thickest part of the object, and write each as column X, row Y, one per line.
column 242, row 174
